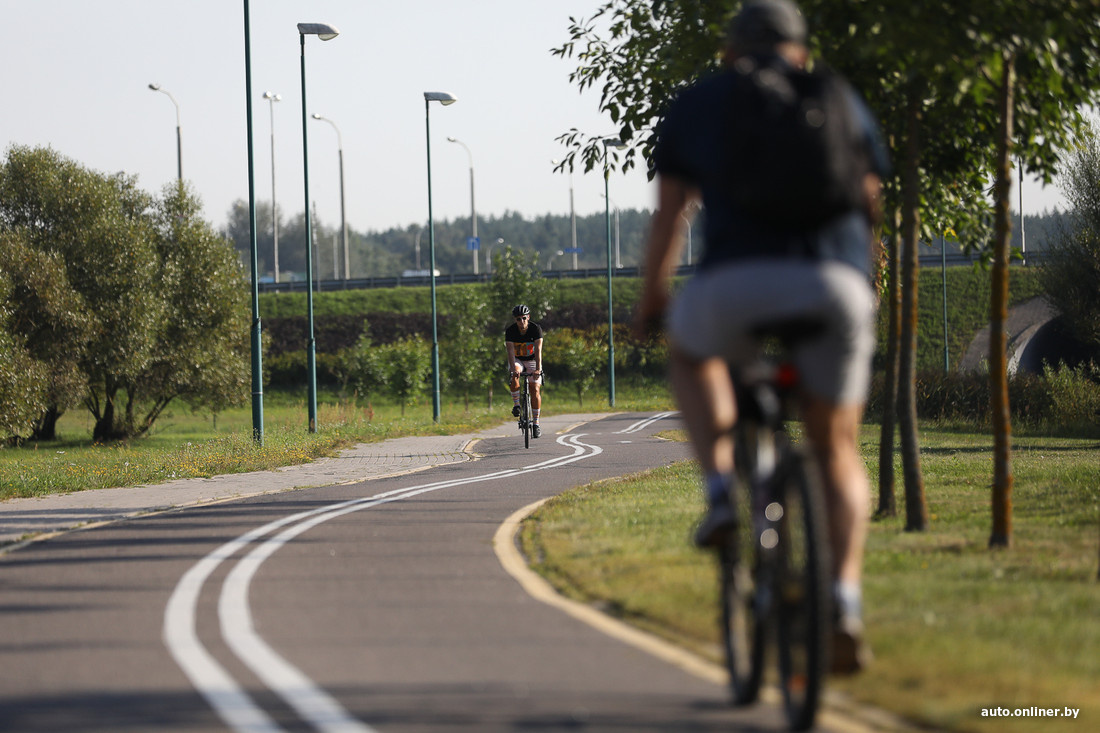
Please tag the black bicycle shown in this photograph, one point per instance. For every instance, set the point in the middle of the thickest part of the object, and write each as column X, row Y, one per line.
column 775, row 570
column 526, row 419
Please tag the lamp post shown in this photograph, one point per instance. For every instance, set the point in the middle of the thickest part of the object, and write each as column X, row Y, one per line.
column 272, row 98
column 618, row 262
column 179, row 138
column 444, row 99
column 256, row 344
column 473, row 210
column 326, row 33
column 572, row 216
column 609, row 142
column 343, row 216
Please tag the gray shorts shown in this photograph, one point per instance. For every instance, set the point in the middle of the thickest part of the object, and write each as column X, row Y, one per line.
column 717, row 310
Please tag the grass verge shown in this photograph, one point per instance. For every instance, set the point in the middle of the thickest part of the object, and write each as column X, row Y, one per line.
column 955, row 627
column 193, row 445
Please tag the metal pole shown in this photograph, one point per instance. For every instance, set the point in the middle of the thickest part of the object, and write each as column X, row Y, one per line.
column 431, row 265
column 311, row 344
column 473, row 211
column 343, row 214
column 943, row 274
column 572, row 220
column 256, row 345
column 272, row 99
column 1023, row 239
column 610, row 318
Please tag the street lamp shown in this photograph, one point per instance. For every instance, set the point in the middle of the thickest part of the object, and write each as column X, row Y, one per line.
column 343, row 216
column 572, row 215
column 326, row 33
column 609, row 142
column 256, row 343
column 272, row 98
column 179, row 138
column 618, row 262
column 444, row 99
column 473, row 211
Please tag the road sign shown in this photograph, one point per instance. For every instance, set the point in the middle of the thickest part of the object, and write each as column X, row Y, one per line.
column 473, row 242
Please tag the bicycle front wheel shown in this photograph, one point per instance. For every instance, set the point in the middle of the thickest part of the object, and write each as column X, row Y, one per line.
column 525, row 411
column 802, row 592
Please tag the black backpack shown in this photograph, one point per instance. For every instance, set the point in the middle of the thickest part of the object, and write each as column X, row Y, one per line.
column 795, row 154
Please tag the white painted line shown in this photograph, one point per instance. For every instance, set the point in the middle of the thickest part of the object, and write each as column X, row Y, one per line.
column 314, row 705
column 643, row 424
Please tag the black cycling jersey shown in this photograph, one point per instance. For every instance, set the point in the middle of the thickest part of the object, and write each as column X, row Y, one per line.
column 524, row 342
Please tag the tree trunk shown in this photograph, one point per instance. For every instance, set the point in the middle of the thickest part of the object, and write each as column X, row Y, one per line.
column 887, row 503
column 998, row 314
column 46, row 428
column 105, row 429
column 916, row 510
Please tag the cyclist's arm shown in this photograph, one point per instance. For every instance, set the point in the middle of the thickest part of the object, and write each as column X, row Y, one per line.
column 538, row 356
column 662, row 250
column 510, row 348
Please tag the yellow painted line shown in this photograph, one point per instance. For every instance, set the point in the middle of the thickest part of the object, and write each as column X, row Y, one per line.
column 510, row 558
column 843, row 715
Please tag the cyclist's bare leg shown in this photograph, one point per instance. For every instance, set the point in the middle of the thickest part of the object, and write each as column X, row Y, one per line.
column 704, row 393
column 833, row 431
column 536, row 395
column 513, row 381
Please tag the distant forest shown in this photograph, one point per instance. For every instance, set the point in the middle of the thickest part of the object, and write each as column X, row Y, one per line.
column 389, row 253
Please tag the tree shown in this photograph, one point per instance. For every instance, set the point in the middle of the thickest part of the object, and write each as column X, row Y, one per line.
column 365, row 367
column 471, row 355
column 584, row 357
column 47, row 317
column 517, row 279
column 1033, row 66
column 22, row 379
column 200, row 353
column 407, row 369
column 1071, row 272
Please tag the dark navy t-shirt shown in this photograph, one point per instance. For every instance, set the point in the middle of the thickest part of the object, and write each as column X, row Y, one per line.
column 689, row 147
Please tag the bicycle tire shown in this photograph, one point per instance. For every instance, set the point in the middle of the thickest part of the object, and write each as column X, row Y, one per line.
column 525, row 416
column 744, row 630
column 802, row 588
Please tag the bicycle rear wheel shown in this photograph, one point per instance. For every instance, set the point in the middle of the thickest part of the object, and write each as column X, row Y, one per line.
column 744, row 628
column 803, row 602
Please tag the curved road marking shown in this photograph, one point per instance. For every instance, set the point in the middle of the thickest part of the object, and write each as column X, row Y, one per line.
column 504, row 544
column 314, row 705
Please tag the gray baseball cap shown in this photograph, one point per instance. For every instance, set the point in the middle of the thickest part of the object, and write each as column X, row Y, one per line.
column 765, row 23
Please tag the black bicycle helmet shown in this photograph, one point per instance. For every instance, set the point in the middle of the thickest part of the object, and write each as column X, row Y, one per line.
column 520, row 310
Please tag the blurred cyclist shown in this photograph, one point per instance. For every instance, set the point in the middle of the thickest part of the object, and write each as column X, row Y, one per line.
column 761, row 269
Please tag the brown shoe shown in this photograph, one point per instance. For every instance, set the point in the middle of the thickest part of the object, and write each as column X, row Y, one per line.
column 851, row 652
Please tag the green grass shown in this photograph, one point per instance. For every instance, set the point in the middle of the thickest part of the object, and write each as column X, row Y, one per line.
column 184, row 444
column 955, row 627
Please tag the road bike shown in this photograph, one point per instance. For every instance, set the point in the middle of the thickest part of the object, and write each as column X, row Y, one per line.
column 526, row 419
column 775, row 568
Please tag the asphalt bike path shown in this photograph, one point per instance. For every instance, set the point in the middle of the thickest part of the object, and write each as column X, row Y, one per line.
column 379, row 605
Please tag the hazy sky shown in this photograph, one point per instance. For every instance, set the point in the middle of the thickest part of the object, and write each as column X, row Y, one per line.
column 76, row 76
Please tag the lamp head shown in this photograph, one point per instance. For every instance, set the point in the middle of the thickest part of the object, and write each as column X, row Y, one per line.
column 155, row 87
column 452, row 140
column 324, row 31
column 613, row 142
column 442, row 97
column 317, row 116
column 273, row 96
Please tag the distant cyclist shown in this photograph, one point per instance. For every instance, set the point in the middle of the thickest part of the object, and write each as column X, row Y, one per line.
column 523, row 341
